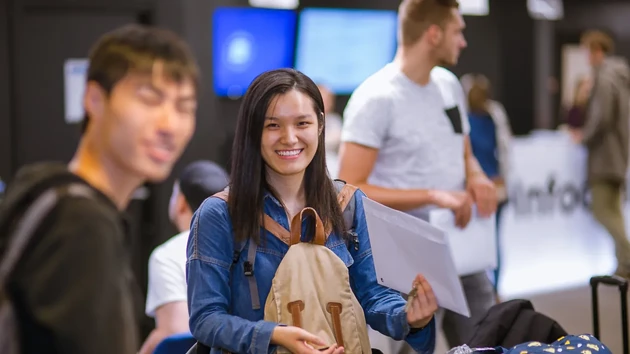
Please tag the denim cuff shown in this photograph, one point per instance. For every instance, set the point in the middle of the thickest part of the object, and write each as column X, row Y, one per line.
column 422, row 341
column 261, row 340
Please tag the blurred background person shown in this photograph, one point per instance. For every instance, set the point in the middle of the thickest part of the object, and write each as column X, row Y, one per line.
column 576, row 113
column 332, row 133
column 73, row 287
column 166, row 295
column 490, row 136
column 605, row 135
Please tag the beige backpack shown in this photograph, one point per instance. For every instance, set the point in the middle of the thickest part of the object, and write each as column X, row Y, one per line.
column 311, row 290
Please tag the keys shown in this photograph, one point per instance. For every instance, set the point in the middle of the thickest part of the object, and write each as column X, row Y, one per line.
column 410, row 297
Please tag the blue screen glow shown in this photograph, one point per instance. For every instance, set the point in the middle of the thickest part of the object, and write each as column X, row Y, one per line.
column 340, row 48
column 248, row 42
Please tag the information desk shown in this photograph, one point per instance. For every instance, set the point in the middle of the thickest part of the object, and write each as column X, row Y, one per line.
column 549, row 239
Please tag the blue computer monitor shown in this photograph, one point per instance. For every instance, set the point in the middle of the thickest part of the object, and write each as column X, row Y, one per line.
column 340, row 48
column 248, row 42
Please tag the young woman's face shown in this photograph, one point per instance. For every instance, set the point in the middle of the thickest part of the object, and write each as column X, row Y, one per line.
column 290, row 134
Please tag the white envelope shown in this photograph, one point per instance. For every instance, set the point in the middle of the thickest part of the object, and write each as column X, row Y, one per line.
column 403, row 246
column 474, row 248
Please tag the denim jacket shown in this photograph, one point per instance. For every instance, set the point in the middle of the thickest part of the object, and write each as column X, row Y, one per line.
column 219, row 301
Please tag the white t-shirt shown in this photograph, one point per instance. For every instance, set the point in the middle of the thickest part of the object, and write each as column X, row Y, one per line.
column 418, row 130
column 167, row 273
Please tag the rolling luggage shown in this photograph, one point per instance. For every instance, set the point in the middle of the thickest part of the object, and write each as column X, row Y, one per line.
column 622, row 284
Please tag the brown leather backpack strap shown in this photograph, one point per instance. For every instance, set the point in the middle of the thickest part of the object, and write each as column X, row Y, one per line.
column 296, row 227
column 266, row 222
column 345, row 195
column 343, row 198
column 222, row 195
column 334, row 309
column 295, row 309
column 269, row 224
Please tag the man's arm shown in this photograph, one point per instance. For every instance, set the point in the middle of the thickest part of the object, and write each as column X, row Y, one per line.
column 76, row 282
column 171, row 318
column 355, row 166
column 356, row 163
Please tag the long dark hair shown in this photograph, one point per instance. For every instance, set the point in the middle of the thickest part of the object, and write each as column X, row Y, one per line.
column 247, row 175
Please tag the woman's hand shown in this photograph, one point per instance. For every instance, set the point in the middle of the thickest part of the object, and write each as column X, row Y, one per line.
column 422, row 305
column 299, row 341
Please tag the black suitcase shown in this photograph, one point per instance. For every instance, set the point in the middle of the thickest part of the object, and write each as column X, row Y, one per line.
column 622, row 284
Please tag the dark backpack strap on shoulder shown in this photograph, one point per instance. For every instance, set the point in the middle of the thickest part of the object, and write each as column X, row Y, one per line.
column 248, row 266
column 20, row 196
column 31, row 219
column 249, row 273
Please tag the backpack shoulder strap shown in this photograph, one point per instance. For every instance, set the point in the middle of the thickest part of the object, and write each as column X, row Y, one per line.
column 32, row 218
column 222, row 194
column 345, row 197
column 266, row 222
column 248, row 266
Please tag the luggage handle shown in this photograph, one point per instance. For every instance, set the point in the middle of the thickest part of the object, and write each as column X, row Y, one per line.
column 614, row 280
column 622, row 284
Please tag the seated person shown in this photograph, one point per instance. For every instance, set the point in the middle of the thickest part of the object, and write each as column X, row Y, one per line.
column 278, row 168
column 166, row 294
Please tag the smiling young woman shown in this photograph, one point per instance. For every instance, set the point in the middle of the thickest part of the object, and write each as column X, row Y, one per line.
column 278, row 169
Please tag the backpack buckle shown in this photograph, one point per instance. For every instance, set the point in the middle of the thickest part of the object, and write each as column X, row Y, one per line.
column 355, row 239
column 248, row 269
column 235, row 257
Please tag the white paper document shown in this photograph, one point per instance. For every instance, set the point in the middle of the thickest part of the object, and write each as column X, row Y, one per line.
column 474, row 248
column 403, row 246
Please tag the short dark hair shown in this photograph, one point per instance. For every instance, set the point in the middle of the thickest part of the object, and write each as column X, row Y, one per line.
column 136, row 48
column 200, row 180
column 248, row 180
column 416, row 16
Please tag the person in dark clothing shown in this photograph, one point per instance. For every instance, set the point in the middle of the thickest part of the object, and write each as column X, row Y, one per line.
column 72, row 288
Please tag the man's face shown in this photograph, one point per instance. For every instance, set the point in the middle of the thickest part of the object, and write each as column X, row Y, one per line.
column 595, row 55
column 146, row 123
column 452, row 40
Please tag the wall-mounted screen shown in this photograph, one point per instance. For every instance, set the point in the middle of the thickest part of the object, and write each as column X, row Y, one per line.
column 248, row 42
column 340, row 48
column 474, row 7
